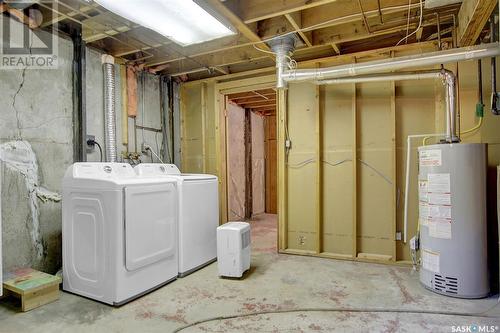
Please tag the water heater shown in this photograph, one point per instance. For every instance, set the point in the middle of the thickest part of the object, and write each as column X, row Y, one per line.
column 452, row 217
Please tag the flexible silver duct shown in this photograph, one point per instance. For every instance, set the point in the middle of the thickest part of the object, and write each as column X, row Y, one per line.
column 448, row 78
column 109, row 109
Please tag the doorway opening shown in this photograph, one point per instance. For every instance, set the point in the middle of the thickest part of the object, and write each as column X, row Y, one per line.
column 252, row 163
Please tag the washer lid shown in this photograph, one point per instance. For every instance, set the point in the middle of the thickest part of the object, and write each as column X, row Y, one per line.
column 150, row 170
column 197, row 176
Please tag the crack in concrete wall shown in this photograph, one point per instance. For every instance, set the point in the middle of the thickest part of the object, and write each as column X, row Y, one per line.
column 21, row 85
column 19, row 157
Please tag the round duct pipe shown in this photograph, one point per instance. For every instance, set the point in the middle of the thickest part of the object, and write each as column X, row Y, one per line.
column 283, row 48
column 108, row 68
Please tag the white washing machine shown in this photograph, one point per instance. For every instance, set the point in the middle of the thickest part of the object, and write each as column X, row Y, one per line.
column 119, row 232
column 198, row 214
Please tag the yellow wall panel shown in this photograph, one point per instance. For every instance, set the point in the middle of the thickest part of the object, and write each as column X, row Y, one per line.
column 417, row 107
column 415, row 114
column 301, row 167
column 192, row 134
column 374, row 130
column 337, row 191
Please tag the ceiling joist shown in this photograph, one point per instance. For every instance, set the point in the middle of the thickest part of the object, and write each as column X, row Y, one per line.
column 340, row 30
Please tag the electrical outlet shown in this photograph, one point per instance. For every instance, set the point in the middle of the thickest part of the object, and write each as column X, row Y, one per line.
column 398, row 235
column 414, row 243
column 90, row 148
column 144, row 148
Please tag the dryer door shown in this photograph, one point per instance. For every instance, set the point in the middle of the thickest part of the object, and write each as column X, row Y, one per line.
column 150, row 224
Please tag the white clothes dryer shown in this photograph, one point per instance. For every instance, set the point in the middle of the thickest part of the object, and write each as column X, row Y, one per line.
column 119, row 232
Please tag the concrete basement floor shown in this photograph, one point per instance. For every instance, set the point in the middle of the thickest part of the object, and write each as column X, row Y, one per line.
column 276, row 282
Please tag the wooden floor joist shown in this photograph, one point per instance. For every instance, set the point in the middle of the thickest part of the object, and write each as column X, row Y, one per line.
column 472, row 17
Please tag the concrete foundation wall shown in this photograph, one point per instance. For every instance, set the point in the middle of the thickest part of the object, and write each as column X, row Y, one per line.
column 36, row 112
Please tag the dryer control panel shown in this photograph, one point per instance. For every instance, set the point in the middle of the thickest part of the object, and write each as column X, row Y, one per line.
column 100, row 170
column 156, row 169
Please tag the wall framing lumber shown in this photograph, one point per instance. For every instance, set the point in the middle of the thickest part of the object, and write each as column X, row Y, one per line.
column 354, row 173
column 472, row 17
column 394, row 169
column 319, row 171
column 282, row 172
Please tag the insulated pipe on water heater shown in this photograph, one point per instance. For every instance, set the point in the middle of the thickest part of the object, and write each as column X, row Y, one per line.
column 108, row 68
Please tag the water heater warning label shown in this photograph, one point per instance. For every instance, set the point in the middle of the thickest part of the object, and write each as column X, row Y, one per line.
column 431, row 157
column 430, row 260
column 440, row 208
column 438, row 183
column 440, row 228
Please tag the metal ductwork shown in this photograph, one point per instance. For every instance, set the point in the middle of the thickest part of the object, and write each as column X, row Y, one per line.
column 325, row 75
column 393, row 64
column 447, row 76
column 108, row 68
column 283, row 47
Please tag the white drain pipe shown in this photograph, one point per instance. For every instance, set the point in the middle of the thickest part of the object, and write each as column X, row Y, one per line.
column 376, row 67
column 108, row 67
column 394, row 64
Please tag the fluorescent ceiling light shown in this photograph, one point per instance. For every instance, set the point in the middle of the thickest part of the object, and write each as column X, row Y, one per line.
column 182, row 21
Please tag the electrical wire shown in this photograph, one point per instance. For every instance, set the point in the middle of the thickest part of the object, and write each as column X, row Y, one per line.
column 143, row 95
column 419, row 23
column 158, row 157
column 324, row 23
column 156, row 141
column 408, row 20
column 153, row 152
column 376, row 171
column 398, row 190
column 366, row 164
column 474, row 128
column 337, row 163
column 342, row 310
column 301, row 164
column 100, row 148
column 262, row 50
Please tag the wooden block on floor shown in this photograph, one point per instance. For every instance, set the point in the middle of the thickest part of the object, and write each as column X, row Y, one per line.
column 33, row 287
column 374, row 256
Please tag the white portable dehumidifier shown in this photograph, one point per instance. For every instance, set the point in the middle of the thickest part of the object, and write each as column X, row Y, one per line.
column 233, row 249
